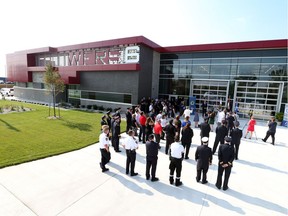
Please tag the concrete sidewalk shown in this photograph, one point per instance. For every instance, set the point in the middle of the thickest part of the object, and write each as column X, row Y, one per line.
column 73, row 184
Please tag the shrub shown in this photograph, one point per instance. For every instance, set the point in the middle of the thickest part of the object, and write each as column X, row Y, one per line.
column 95, row 107
column 101, row 108
column 89, row 106
column 279, row 116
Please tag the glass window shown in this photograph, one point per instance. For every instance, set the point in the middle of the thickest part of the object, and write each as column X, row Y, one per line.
column 274, row 60
column 174, row 86
column 107, row 96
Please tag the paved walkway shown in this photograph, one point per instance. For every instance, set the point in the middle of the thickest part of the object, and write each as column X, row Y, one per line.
column 73, row 184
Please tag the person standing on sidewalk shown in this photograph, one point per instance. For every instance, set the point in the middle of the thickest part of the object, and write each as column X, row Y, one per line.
column 176, row 156
column 226, row 157
column 236, row 135
column 271, row 131
column 142, row 121
column 104, row 147
column 186, row 138
column 152, row 149
column 157, row 130
column 131, row 145
column 203, row 156
column 170, row 131
column 251, row 127
column 221, row 132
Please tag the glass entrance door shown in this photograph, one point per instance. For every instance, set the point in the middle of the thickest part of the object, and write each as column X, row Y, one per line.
column 214, row 92
column 263, row 98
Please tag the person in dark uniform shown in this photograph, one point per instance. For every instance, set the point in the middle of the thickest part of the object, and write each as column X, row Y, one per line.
column 203, row 156
column 103, row 121
column 116, row 134
column 221, row 132
column 176, row 153
column 271, row 131
column 170, row 131
column 108, row 118
column 236, row 135
column 186, row 138
column 230, row 122
column 204, row 129
column 131, row 145
column 128, row 119
column 151, row 157
column 226, row 157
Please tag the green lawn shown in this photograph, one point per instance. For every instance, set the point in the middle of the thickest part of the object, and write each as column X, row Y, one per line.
column 30, row 135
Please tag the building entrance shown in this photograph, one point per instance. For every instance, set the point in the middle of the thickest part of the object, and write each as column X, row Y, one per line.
column 213, row 91
column 263, row 98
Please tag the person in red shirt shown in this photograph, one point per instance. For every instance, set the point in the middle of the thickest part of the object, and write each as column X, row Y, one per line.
column 251, row 127
column 142, row 121
column 157, row 130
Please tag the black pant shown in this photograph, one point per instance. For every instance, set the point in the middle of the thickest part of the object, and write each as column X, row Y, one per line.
column 175, row 163
column 116, row 143
column 204, row 178
column 105, row 157
column 151, row 162
column 216, row 142
column 187, row 148
column 130, row 161
column 128, row 126
column 226, row 176
column 169, row 141
column 272, row 134
column 142, row 133
column 157, row 138
column 236, row 150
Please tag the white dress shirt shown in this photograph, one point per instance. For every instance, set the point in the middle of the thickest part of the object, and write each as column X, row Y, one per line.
column 103, row 140
column 130, row 143
column 176, row 150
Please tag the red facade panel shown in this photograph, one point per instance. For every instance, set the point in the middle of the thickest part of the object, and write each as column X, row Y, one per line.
column 227, row 46
column 19, row 63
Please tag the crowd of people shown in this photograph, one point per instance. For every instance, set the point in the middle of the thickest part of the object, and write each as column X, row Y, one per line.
column 157, row 121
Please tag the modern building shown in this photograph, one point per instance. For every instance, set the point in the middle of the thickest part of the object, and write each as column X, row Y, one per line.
column 120, row 72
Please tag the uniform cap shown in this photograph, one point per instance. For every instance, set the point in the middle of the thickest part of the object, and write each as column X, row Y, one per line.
column 205, row 139
column 228, row 139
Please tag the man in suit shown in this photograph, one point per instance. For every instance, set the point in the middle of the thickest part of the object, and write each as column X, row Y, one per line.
column 151, row 157
column 170, row 131
column 116, row 133
column 226, row 157
column 204, row 129
column 203, row 156
column 236, row 135
column 128, row 119
column 221, row 132
column 271, row 131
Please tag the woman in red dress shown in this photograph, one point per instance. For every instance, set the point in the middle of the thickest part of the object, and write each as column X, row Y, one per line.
column 251, row 127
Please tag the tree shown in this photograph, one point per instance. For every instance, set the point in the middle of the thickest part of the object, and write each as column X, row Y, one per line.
column 54, row 83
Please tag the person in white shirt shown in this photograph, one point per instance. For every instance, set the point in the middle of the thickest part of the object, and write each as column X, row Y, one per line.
column 130, row 144
column 221, row 115
column 104, row 147
column 187, row 112
column 176, row 157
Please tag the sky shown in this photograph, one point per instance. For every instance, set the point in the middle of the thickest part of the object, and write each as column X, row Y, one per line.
column 33, row 24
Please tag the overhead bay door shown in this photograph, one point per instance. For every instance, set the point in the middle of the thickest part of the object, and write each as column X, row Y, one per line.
column 261, row 97
column 214, row 92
